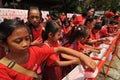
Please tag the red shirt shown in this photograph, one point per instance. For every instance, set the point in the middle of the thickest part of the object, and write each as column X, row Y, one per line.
column 48, row 18
column 36, row 57
column 103, row 32
column 51, row 71
column 54, row 57
column 111, row 30
column 119, row 19
column 94, row 37
column 66, row 32
column 76, row 46
column 62, row 17
column 37, row 33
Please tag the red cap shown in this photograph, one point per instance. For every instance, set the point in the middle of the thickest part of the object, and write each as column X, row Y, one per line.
column 109, row 14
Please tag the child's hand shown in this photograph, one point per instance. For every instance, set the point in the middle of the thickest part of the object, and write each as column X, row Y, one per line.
column 107, row 41
column 86, row 50
column 37, row 42
column 97, row 48
column 88, row 69
column 87, row 61
column 103, row 39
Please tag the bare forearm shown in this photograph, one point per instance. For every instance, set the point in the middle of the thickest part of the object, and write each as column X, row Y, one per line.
column 83, row 58
column 66, row 63
column 94, row 50
column 71, row 52
column 67, row 56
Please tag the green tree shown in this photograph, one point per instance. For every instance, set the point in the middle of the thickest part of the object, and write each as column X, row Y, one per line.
column 76, row 6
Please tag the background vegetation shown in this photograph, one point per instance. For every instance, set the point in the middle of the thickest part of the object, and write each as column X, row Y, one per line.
column 76, row 6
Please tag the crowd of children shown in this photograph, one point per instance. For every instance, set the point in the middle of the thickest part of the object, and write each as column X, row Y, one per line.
column 53, row 48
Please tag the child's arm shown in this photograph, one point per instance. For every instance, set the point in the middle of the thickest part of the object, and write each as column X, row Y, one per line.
column 96, row 40
column 36, row 42
column 67, row 57
column 83, row 58
column 90, row 41
column 94, row 50
column 66, row 63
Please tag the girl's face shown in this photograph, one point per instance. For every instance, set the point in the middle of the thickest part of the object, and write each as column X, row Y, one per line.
column 90, row 12
column 19, row 40
column 91, row 24
column 66, row 24
column 56, row 37
column 84, row 39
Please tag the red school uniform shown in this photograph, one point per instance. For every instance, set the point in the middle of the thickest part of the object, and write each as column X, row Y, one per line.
column 66, row 32
column 80, row 46
column 111, row 30
column 51, row 71
column 62, row 17
column 76, row 46
column 104, row 32
column 94, row 37
column 38, row 33
column 36, row 57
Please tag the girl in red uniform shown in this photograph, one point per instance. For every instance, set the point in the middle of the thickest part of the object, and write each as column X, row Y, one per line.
column 95, row 39
column 110, row 28
column 104, row 31
column 36, row 27
column 77, row 41
column 66, row 29
column 90, row 22
column 52, row 69
column 15, row 37
column 113, row 27
column 80, row 19
column 62, row 16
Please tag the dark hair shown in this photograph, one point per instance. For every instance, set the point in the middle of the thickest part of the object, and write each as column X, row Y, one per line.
column 89, row 19
column 29, row 24
column 104, row 21
column 66, row 20
column 51, row 26
column 98, row 25
column 84, row 12
column 113, row 22
column 116, row 17
column 73, row 16
column 34, row 8
column 8, row 26
column 78, row 32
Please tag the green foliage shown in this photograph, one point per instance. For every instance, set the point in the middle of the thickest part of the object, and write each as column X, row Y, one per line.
column 70, row 6
column 75, row 6
column 78, row 9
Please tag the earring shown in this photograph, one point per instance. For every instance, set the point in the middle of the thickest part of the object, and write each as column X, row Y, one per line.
column 6, row 50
